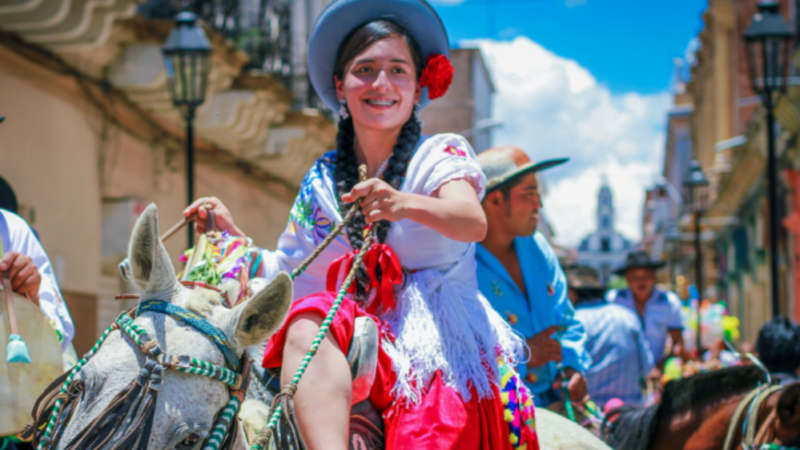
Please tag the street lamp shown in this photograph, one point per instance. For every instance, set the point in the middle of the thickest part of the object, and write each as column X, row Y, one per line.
column 768, row 54
column 696, row 195
column 187, row 55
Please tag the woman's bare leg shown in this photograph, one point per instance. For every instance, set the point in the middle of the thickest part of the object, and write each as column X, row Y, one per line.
column 322, row 402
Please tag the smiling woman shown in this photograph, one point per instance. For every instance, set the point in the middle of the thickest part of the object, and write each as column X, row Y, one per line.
column 442, row 349
column 376, row 75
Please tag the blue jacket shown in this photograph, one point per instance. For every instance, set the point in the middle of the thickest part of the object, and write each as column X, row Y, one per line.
column 545, row 305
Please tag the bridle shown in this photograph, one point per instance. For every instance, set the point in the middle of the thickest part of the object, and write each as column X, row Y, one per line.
column 748, row 410
column 126, row 423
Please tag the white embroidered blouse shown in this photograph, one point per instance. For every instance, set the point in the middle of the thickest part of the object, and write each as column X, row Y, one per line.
column 440, row 321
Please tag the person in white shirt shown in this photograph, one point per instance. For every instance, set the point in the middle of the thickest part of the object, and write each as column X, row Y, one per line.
column 32, row 273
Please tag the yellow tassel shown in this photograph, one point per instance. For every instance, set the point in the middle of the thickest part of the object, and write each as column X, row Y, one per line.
column 508, row 415
column 506, row 377
column 513, row 439
column 504, row 397
column 523, row 447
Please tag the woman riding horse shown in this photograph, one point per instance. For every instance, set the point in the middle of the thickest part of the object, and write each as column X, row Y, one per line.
column 442, row 348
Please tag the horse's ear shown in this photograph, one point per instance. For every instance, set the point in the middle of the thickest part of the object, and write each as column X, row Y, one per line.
column 151, row 268
column 260, row 316
column 789, row 407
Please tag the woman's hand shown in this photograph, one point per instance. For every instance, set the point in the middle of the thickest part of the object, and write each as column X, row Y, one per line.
column 223, row 220
column 380, row 200
column 454, row 210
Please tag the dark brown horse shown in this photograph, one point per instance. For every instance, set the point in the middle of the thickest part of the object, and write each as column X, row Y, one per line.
column 695, row 414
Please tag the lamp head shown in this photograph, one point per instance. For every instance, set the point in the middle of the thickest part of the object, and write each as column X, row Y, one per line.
column 187, row 55
column 767, row 41
column 696, row 177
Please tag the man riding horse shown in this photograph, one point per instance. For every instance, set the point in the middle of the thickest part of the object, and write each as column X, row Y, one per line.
column 520, row 275
column 659, row 311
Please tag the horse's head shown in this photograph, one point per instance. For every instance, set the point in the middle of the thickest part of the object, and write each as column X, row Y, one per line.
column 186, row 403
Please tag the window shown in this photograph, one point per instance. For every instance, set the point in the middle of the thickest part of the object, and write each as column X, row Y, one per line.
column 605, row 245
column 605, row 222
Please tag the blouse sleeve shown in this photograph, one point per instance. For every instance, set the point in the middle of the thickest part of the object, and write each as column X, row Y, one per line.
column 445, row 158
column 312, row 217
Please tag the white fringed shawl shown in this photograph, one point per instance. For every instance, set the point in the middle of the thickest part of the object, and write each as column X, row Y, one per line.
column 441, row 322
column 448, row 326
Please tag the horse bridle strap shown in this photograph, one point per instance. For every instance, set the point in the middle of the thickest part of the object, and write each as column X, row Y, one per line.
column 737, row 415
column 751, row 403
column 198, row 323
column 127, row 422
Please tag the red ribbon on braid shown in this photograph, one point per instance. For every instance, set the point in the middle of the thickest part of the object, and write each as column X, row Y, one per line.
column 391, row 274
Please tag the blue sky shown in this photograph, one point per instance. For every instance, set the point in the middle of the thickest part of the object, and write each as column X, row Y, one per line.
column 585, row 79
column 628, row 45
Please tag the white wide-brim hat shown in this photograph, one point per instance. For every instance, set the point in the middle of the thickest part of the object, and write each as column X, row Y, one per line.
column 341, row 17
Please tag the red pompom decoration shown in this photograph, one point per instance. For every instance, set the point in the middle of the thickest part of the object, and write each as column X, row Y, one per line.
column 437, row 75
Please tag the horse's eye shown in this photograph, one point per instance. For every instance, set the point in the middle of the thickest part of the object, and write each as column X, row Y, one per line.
column 190, row 442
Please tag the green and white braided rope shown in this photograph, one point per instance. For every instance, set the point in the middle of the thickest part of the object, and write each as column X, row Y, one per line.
column 776, row 447
column 262, row 440
column 223, row 424
column 199, row 367
column 51, row 423
column 207, row 369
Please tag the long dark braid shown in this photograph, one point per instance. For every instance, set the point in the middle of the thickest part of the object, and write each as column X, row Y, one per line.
column 346, row 171
column 346, row 176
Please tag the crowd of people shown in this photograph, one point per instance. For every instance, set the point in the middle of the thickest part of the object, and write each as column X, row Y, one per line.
column 479, row 291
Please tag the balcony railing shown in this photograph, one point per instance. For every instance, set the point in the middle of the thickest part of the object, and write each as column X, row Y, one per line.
column 261, row 28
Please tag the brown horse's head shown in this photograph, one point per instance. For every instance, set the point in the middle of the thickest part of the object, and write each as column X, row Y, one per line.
column 696, row 412
column 787, row 425
column 695, row 409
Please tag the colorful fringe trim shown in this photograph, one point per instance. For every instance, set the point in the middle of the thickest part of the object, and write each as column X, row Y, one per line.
column 518, row 409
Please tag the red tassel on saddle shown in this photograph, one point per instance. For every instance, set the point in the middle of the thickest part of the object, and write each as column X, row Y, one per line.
column 391, row 274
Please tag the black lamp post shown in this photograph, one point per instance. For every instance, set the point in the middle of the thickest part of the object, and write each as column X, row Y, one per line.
column 768, row 54
column 187, row 55
column 696, row 190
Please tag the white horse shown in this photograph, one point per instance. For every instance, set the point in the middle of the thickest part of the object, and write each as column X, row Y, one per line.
column 187, row 403
column 559, row 433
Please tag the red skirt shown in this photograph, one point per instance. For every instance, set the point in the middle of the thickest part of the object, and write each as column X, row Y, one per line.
column 443, row 420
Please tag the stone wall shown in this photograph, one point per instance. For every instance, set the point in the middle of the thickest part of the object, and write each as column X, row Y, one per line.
column 64, row 159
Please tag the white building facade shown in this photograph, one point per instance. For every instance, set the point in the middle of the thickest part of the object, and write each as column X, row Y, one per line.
column 605, row 249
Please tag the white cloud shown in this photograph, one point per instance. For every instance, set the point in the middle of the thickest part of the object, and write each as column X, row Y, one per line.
column 552, row 107
column 571, row 202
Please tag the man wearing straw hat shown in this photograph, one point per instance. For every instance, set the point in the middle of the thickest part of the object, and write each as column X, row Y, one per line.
column 659, row 311
column 29, row 267
column 519, row 273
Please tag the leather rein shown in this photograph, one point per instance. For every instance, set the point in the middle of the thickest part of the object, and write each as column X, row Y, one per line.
column 747, row 413
column 127, row 422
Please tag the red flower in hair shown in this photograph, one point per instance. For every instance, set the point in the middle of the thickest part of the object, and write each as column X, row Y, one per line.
column 437, row 75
